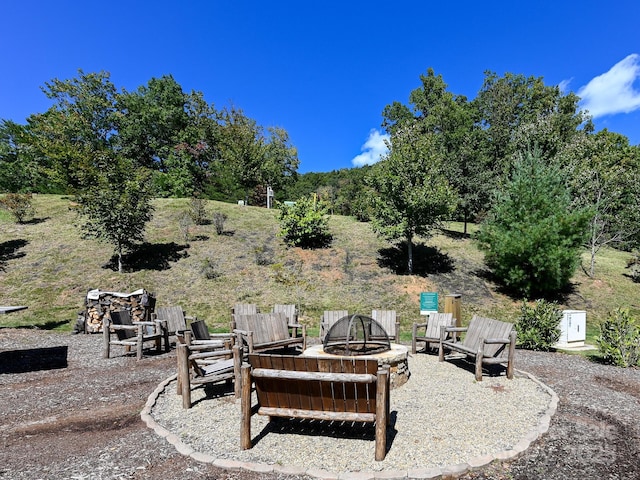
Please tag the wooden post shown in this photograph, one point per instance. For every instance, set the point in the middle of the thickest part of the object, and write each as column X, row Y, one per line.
column 245, row 404
column 512, row 354
column 140, row 342
column 479, row 355
column 106, row 327
column 453, row 305
column 179, row 366
column 237, row 373
column 183, row 375
column 382, row 412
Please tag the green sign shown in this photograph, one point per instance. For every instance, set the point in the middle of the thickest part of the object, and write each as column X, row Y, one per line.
column 428, row 302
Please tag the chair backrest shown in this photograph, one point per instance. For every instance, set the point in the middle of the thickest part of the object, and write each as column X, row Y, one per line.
column 200, row 330
column 266, row 327
column 245, row 309
column 289, row 310
column 329, row 317
column 174, row 317
column 324, row 395
column 386, row 318
column 436, row 321
column 122, row 317
column 481, row 327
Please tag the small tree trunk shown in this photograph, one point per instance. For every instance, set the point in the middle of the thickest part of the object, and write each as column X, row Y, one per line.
column 409, row 255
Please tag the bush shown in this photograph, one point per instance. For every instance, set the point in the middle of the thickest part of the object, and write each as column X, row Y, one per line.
column 619, row 339
column 538, row 327
column 218, row 222
column 198, row 211
column 19, row 205
column 532, row 238
column 305, row 224
column 210, row 269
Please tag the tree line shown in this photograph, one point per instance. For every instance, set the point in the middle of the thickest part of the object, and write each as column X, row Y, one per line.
column 520, row 158
column 174, row 141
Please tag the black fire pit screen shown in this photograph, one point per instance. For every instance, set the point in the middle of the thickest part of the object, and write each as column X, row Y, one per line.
column 356, row 335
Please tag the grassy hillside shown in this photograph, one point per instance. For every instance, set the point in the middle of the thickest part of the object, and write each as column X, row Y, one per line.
column 47, row 265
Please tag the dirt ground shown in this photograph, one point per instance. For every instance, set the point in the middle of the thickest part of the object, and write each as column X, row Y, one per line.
column 82, row 421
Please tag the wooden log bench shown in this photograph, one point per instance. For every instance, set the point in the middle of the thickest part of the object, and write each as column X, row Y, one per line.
column 488, row 341
column 345, row 389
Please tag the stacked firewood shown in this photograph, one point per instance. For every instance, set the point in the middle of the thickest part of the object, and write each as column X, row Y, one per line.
column 98, row 304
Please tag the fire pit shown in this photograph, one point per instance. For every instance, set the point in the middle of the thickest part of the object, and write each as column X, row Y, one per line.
column 356, row 335
column 361, row 336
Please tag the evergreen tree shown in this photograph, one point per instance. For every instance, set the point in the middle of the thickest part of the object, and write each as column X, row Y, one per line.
column 532, row 237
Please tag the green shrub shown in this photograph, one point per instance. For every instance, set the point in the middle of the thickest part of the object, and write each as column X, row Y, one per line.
column 532, row 237
column 538, row 326
column 198, row 210
column 19, row 205
column 218, row 222
column 619, row 339
column 210, row 269
column 305, row 224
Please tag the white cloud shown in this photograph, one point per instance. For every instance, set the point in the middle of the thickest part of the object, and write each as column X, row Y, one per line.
column 564, row 85
column 372, row 150
column 613, row 92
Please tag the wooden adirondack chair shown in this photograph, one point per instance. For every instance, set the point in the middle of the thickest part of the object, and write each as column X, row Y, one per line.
column 388, row 320
column 329, row 317
column 267, row 331
column 175, row 319
column 202, row 364
column 431, row 333
column 290, row 311
column 132, row 334
column 489, row 341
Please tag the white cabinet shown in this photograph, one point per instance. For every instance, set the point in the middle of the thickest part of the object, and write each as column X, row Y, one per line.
column 573, row 328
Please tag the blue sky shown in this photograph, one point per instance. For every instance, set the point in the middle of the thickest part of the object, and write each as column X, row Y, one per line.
column 325, row 70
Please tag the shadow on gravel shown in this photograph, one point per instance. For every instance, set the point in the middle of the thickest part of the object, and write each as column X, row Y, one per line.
column 33, row 359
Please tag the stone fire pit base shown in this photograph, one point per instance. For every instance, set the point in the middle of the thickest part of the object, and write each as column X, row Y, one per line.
column 396, row 358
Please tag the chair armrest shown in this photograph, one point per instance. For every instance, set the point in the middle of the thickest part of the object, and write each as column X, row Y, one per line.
column 241, row 332
column 219, row 353
column 497, row 340
column 456, row 329
column 149, row 324
column 123, row 327
column 211, row 346
column 419, row 325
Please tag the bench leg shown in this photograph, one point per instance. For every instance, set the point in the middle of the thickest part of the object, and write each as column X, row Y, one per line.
column 245, row 403
column 382, row 413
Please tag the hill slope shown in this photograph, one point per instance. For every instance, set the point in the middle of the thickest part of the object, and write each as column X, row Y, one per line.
column 47, row 265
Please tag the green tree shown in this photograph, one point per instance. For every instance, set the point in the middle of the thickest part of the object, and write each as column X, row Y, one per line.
column 79, row 131
column 412, row 194
column 454, row 124
column 117, row 207
column 604, row 175
column 21, row 169
column 532, row 237
column 305, row 223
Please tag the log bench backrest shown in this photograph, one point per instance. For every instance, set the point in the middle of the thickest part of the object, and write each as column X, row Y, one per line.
column 266, row 327
column 320, row 395
column 485, row 328
column 436, row 322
